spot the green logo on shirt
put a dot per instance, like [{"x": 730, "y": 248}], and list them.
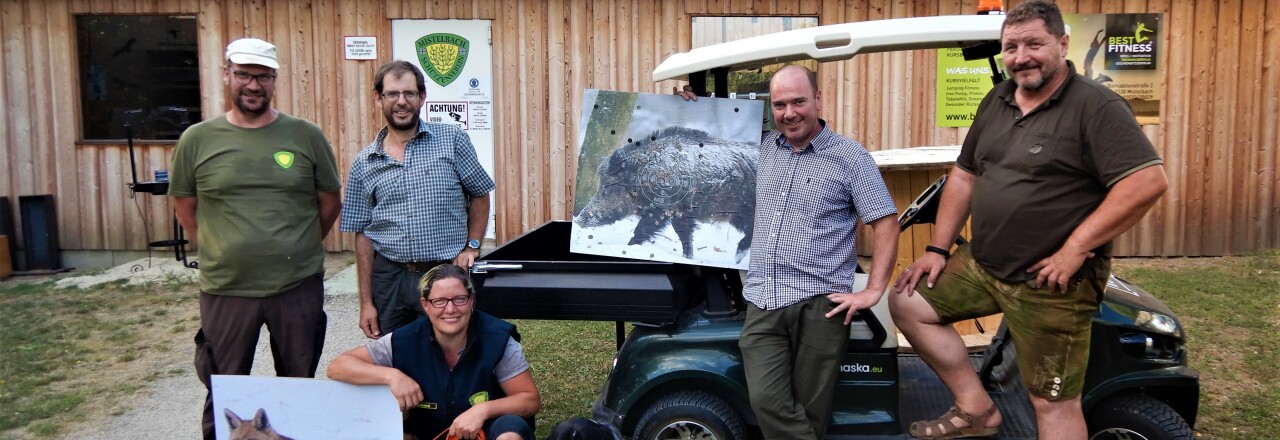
[
  {"x": 478, "y": 398},
  {"x": 284, "y": 159}
]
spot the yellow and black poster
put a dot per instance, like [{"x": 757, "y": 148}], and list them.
[
  {"x": 961, "y": 86},
  {"x": 1120, "y": 51}
]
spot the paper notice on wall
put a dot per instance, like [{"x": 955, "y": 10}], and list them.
[
  {"x": 361, "y": 48},
  {"x": 448, "y": 112},
  {"x": 478, "y": 93},
  {"x": 481, "y": 117}
]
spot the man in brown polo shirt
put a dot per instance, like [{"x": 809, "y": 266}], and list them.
[{"x": 1054, "y": 168}]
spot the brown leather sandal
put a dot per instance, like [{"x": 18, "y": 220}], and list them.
[{"x": 942, "y": 428}]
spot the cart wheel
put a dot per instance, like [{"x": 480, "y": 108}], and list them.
[
  {"x": 689, "y": 415},
  {"x": 1137, "y": 417}
]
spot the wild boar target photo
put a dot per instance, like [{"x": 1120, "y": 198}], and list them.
[{"x": 663, "y": 179}]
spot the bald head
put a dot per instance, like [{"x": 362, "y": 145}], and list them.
[{"x": 791, "y": 71}]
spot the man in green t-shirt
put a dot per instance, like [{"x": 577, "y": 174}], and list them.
[{"x": 259, "y": 190}]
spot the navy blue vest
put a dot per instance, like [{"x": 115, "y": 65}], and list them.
[{"x": 447, "y": 394}]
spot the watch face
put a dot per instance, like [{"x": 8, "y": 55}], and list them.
[{"x": 474, "y": 244}]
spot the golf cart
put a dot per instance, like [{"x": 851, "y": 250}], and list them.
[{"x": 678, "y": 373}]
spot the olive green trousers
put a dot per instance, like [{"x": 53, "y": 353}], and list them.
[{"x": 791, "y": 358}]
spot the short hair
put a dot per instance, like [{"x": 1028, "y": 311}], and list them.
[
  {"x": 1036, "y": 10},
  {"x": 399, "y": 67},
  {"x": 442, "y": 272},
  {"x": 808, "y": 74}
]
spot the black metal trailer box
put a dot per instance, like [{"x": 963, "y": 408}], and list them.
[{"x": 535, "y": 276}]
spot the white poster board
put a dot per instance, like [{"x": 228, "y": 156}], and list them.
[
  {"x": 457, "y": 57},
  {"x": 305, "y": 408}
]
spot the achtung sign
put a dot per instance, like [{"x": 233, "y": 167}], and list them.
[{"x": 448, "y": 112}]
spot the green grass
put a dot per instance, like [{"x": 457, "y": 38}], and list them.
[
  {"x": 1230, "y": 306},
  {"x": 58, "y": 347},
  {"x": 1231, "y": 310},
  {"x": 63, "y": 352},
  {"x": 570, "y": 360}
]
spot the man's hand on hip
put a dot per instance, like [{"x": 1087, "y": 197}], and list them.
[
  {"x": 1055, "y": 271},
  {"x": 850, "y": 303}
]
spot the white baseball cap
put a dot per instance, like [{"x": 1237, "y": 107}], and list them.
[{"x": 252, "y": 51}]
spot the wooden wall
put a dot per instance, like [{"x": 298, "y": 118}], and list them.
[
  {"x": 1218, "y": 135},
  {"x": 40, "y": 143}
]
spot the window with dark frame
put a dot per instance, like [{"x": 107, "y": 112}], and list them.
[
  {"x": 709, "y": 30},
  {"x": 137, "y": 70}
]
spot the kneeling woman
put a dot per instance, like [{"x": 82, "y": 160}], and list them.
[{"x": 457, "y": 369}]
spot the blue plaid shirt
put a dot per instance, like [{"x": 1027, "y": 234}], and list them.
[
  {"x": 807, "y": 210},
  {"x": 415, "y": 210}
]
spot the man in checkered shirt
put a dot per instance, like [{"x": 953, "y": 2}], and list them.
[
  {"x": 812, "y": 189},
  {"x": 416, "y": 197}
]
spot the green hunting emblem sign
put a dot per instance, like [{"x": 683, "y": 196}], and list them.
[{"x": 442, "y": 56}]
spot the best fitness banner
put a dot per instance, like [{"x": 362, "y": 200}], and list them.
[{"x": 1120, "y": 51}]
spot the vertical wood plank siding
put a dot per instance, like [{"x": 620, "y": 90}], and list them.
[{"x": 1218, "y": 137}]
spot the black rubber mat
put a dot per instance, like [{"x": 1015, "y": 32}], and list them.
[{"x": 925, "y": 398}]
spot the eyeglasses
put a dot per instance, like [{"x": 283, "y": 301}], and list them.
[
  {"x": 395, "y": 96},
  {"x": 243, "y": 77},
  {"x": 458, "y": 301}
]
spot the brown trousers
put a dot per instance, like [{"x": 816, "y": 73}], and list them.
[{"x": 229, "y": 329}]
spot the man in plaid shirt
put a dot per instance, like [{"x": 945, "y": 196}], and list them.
[
  {"x": 812, "y": 189},
  {"x": 416, "y": 197}
]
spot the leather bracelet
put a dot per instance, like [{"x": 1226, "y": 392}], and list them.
[{"x": 937, "y": 250}]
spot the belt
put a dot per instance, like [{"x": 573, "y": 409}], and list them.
[{"x": 421, "y": 266}]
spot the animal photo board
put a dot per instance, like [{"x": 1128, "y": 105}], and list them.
[
  {"x": 283, "y": 408},
  {"x": 664, "y": 179}
]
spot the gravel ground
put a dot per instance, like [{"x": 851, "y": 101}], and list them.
[
  {"x": 142, "y": 271},
  {"x": 172, "y": 408}
]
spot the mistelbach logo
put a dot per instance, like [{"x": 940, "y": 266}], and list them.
[{"x": 442, "y": 56}]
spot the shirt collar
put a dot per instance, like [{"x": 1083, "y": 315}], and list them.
[
  {"x": 378, "y": 150},
  {"x": 820, "y": 142}
]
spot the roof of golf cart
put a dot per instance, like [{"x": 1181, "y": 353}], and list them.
[{"x": 835, "y": 42}]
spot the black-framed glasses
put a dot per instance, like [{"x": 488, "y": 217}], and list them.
[
  {"x": 395, "y": 96},
  {"x": 243, "y": 77},
  {"x": 458, "y": 301}
]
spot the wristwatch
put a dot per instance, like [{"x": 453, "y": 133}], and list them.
[{"x": 473, "y": 244}]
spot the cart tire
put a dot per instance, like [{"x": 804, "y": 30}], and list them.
[
  {"x": 690, "y": 415},
  {"x": 1137, "y": 417}
]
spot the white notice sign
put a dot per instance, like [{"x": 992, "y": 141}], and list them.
[
  {"x": 361, "y": 48},
  {"x": 457, "y": 58},
  {"x": 448, "y": 112}
]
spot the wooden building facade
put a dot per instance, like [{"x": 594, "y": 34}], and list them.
[{"x": 1221, "y": 109}]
